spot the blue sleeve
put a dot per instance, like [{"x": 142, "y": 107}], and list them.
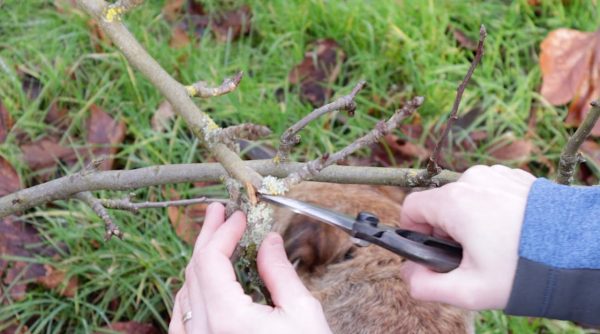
[{"x": 558, "y": 273}]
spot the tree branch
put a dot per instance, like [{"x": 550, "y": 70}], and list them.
[
  {"x": 199, "y": 122},
  {"x": 127, "y": 180},
  {"x": 312, "y": 168},
  {"x": 100, "y": 210},
  {"x": 248, "y": 131},
  {"x": 201, "y": 89},
  {"x": 570, "y": 155},
  {"x": 114, "y": 11},
  {"x": 433, "y": 167},
  {"x": 290, "y": 137},
  {"x": 126, "y": 203}
]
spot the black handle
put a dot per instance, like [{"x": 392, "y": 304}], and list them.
[{"x": 437, "y": 254}]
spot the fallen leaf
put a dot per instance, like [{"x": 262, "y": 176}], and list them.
[
  {"x": 46, "y": 153},
  {"x": 570, "y": 63},
  {"x": 226, "y": 26},
  {"x": 97, "y": 36},
  {"x": 14, "y": 328},
  {"x": 173, "y": 9},
  {"x": 6, "y": 122},
  {"x": 17, "y": 239},
  {"x": 232, "y": 24},
  {"x": 318, "y": 70},
  {"x": 132, "y": 327},
  {"x": 509, "y": 149},
  {"x": 163, "y": 114},
  {"x": 105, "y": 133},
  {"x": 591, "y": 152},
  {"x": 56, "y": 279},
  {"x": 62, "y": 6},
  {"x": 9, "y": 179},
  {"x": 57, "y": 116},
  {"x": 187, "y": 221},
  {"x": 463, "y": 40}
]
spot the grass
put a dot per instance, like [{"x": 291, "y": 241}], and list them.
[{"x": 402, "y": 44}]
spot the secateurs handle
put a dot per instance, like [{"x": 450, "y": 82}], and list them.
[{"x": 437, "y": 254}]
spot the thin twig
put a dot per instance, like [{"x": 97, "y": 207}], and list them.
[
  {"x": 248, "y": 131},
  {"x": 128, "y": 180},
  {"x": 570, "y": 155},
  {"x": 127, "y": 204},
  {"x": 201, "y": 89},
  {"x": 313, "y": 167},
  {"x": 290, "y": 136},
  {"x": 100, "y": 210},
  {"x": 433, "y": 167}
]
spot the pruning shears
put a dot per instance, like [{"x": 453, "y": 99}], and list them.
[{"x": 437, "y": 254}]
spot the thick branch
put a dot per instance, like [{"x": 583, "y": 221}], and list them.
[
  {"x": 570, "y": 156},
  {"x": 312, "y": 168},
  {"x": 201, "y": 89},
  {"x": 290, "y": 137},
  {"x": 433, "y": 165},
  {"x": 199, "y": 122},
  {"x": 127, "y": 204},
  {"x": 100, "y": 210},
  {"x": 114, "y": 11},
  {"x": 127, "y": 180}
]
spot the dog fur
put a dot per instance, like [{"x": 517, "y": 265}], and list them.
[{"x": 360, "y": 288}]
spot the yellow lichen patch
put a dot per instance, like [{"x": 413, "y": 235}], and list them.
[
  {"x": 273, "y": 186},
  {"x": 113, "y": 13},
  {"x": 191, "y": 90}
]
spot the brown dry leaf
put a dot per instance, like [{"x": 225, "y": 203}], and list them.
[
  {"x": 318, "y": 70},
  {"x": 591, "y": 152},
  {"x": 187, "y": 221},
  {"x": 57, "y": 117},
  {"x": 179, "y": 37},
  {"x": 13, "y": 328},
  {"x": 173, "y": 9},
  {"x": 570, "y": 63},
  {"x": 16, "y": 239},
  {"x": 46, "y": 153},
  {"x": 6, "y": 123},
  {"x": 463, "y": 40},
  {"x": 518, "y": 150},
  {"x": 9, "y": 179},
  {"x": 97, "y": 36},
  {"x": 232, "y": 24},
  {"x": 132, "y": 327},
  {"x": 56, "y": 279},
  {"x": 105, "y": 132},
  {"x": 163, "y": 114}
]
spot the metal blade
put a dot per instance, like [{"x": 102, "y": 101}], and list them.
[{"x": 327, "y": 216}]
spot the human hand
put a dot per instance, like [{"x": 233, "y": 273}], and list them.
[
  {"x": 217, "y": 301},
  {"x": 483, "y": 211}
]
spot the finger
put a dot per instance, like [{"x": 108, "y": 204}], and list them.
[
  {"x": 278, "y": 274},
  {"x": 216, "y": 278},
  {"x": 229, "y": 234},
  {"x": 190, "y": 297},
  {"x": 424, "y": 207},
  {"x": 176, "y": 325},
  {"x": 215, "y": 216},
  {"x": 451, "y": 288}
]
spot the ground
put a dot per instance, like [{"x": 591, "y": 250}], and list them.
[{"x": 402, "y": 49}]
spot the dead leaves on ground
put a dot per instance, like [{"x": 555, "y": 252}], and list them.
[
  {"x": 190, "y": 16},
  {"x": 318, "y": 70},
  {"x": 570, "y": 63},
  {"x": 132, "y": 327}
]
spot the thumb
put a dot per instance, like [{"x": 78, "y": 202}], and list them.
[
  {"x": 454, "y": 288},
  {"x": 277, "y": 272}
]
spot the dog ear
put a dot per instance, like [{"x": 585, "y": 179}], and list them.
[{"x": 311, "y": 244}]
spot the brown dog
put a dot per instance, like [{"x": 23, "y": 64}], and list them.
[{"x": 359, "y": 287}]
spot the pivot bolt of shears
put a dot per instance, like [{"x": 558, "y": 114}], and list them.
[{"x": 368, "y": 218}]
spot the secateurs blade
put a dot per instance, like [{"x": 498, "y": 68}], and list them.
[{"x": 438, "y": 254}]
